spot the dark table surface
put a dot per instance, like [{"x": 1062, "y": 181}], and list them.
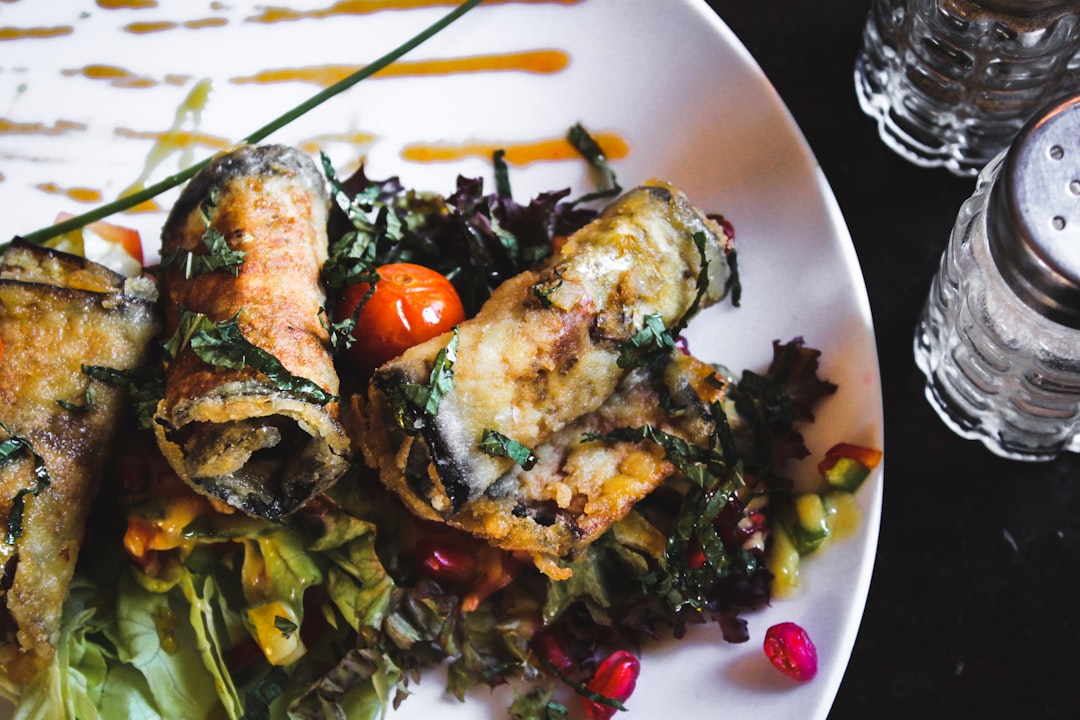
[{"x": 971, "y": 611}]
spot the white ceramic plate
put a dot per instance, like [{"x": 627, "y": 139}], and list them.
[{"x": 86, "y": 93}]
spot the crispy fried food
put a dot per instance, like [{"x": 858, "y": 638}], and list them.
[
  {"x": 59, "y": 315},
  {"x": 233, "y": 432},
  {"x": 540, "y": 357},
  {"x": 578, "y": 489}
]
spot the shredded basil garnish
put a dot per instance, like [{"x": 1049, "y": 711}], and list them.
[
  {"x": 342, "y": 332},
  {"x": 502, "y": 173},
  {"x": 218, "y": 255},
  {"x": 85, "y": 407},
  {"x": 543, "y": 289},
  {"x": 354, "y": 256},
  {"x": 145, "y": 385},
  {"x": 586, "y": 144},
  {"x": 715, "y": 479},
  {"x": 224, "y": 345},
  {"x": 9, "y": 450},
  {"x": 496, "y": 444},
  {"x": 654, "y": 340},
  {"x": 579, "y": 687},
  {"x": 285, "y": 625},
  {"x": 413, "y": 403}
]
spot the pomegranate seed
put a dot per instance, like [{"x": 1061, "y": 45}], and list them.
[
  {"x": 441, "y": 558},
  {"x": 695, "y": 555},
  {"x": 614, "y": 679},
  {"x": 791, "y": 651},
  {"x": 551, "y": 646}
]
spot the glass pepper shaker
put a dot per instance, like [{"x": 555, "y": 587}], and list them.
[
  {"x": 950, "y": 82},
  {"x": 999, "y": 336}
]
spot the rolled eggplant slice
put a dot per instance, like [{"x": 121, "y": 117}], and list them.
[
  {"x": 258, "y": 427},
  {"x": 544, "y": 350},
  {"x": 61, "y": 317},
  {"x": 577, "y": 489}
]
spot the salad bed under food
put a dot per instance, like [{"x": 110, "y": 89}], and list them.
[{"x": 337, "y": 607}]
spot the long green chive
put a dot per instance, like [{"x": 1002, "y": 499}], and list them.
[{"x": 39, "y": 236}]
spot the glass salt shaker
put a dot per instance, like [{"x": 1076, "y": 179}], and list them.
[
  {"x": 999, "y": 336},
  {"x": 950, "y": 82}
]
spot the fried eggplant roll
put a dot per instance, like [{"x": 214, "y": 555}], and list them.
[
  {"x": 576, "y": 489},
  {"x": 250, "y": 414},
  {"x": 69, "y": 330},
  {"x": 548, "y": 348}
]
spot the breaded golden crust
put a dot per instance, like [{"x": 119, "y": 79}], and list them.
[
  {"x": 58, "y": 314},
  {"x": 578, "y": 489},
  {"x": 231, "y": 433},
  {"x": 541, "y": 354}
]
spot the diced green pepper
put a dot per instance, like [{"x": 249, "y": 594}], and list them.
[
  {"x": 810, "y": 526},
  {"x": 782, "y": 558},
  {"x": 846, "y": 474}
]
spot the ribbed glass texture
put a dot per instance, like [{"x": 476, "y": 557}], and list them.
[
  {"x": 997, "y": 371},
  {"x": 950, "y": 82}
]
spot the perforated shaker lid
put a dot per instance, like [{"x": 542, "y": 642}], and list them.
[{"x": 1033, "y": 217}]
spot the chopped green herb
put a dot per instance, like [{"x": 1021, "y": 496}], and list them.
[
  {"x": 580, "y": 688},
  {"x": 414, "y": 403},
  {"x": 544, "y": 288},
  {"x": 655, "y": 341},
  {"x": 586, "y": 144},
  {"x": 341, "y": 333},
  {"x": 11, "y": 447},
  {"x": 218, "y": 255},
  {"x": 145, "y": 385},
  {"x": 700, "y": 242},
  {"x": 285, "y": 625},
  {"x": 353, "y": 256},
  {"x": 652, "y": 341},
  {"x": 496, "y": 444},
  {"x": 85, "y": 407},
  {"x": 502, "y": 174},
  {"x": 224, "y": 345},
  {"x": 716, "y": 478}
]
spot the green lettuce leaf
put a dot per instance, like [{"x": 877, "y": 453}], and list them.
[
  {"x": 72, "y": 685},
  {"x": 151, "y": 635}
]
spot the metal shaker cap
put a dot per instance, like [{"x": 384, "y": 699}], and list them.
[{"x": 1033, "y": 214}]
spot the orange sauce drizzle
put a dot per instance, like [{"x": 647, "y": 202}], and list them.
[
  {"x": 545, "y": 150},
  {"x": 146, "y": 206},
  {"x": 206, "y": 23},
  {"x": 533, "y": 61},
  {"x": 312, "y": 145},
  {"x": 126, "y": 4},
  {"x": 144, "y": 28},
  {"x": 78, "y": 194},
  {"x": 177, "y": 139},
  {"x": 365, "y": 7},
  {"x": 14, "y": 33},
  {"x": 7, "y": 127},
  {"x": 116, "y": 76}
]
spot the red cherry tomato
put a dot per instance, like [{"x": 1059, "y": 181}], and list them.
[{"x": 411, "y": 304}]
